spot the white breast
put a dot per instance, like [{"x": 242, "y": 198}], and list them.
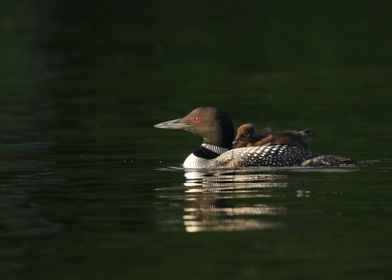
[{"x": 193, "y": 161}]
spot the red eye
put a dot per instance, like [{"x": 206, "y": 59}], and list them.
[{"x": 197, "y": 119}]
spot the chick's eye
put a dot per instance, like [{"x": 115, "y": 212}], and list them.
[{"x": 197, "y": 119}]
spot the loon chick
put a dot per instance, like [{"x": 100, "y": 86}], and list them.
[
  {"x": 217, "y": 130},
  {"x": 247, "y": 136}
]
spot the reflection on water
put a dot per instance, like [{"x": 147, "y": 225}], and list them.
[
  {"x": 227, "y": 201},
  {"x": 208, "y": 215},
  {"x": 232, "y": 200}
]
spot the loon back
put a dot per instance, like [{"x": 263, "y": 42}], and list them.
[{"x": 274, "y": 156}]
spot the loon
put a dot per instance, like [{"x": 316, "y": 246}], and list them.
[
  {"x": 247, "y": 136},
  {"x": 217, "y": 130}
]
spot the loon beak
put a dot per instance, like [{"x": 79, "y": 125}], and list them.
[{"x": 173, "y": 124}]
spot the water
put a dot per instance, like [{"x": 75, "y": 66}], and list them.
[{"x": 90, "y": 190}]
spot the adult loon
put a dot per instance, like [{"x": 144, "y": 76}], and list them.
[
  {"x": 247, "y": 136},
  {"x": 217, "y": 130}
]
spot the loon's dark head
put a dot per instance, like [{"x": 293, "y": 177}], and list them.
[{"x": 210, "y": 123}]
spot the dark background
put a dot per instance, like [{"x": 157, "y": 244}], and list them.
[{"x": 87, "y": 185}]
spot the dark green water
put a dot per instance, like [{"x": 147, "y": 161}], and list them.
[{"x": 87, "y": 188}]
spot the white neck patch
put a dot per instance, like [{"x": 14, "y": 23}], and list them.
[{"x": 216, "y": 149}]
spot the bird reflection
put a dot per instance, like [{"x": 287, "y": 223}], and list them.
[{"x": 229, "y": 201}]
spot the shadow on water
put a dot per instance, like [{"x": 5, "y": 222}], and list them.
[{"x": 232, "y": 200}]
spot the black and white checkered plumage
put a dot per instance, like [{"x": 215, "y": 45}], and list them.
[{"x": 276, "y": 155}]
